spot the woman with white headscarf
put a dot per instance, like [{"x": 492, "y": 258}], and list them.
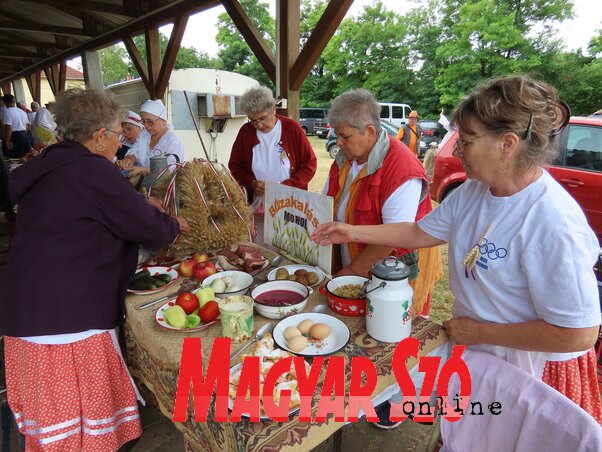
[{"x": 158, "y": 138}]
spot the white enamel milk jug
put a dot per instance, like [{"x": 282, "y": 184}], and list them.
[{"x": 389, "y": 301}]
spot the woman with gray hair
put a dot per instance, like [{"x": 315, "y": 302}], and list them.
[
  {"x": 269, "y": 147},
  {"x": 376, "y": 179},
  {"x": 78, "y": 229}
]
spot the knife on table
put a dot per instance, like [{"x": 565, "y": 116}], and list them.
[{"x": 165, "y": 298}]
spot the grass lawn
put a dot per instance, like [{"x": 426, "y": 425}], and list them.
[{"x": 442, "y": 296}]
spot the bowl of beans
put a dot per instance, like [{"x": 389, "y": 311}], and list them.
[
  {"x": 281, "y": 298},
  {"x": 343, "y": 293}
]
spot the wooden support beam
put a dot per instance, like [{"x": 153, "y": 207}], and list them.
[
  {"x": 42, "y": 28},
  {"x": 325, "y": 28},
  {"x": 56, "y": 74},
  {"x": 169, "y": 59},
  {"x": 288, "y": 13},
  {"x": 153, "y": 58},
  {"x": 138, "y": 61},
  {"x": 34, "y": 82},
  {"x": 254, "y": 39}
]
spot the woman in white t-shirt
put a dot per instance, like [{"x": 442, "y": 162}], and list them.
[{"x": 520, "y": 250}]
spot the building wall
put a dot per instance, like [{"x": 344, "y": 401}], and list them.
[{"x": 46, "y": 93}]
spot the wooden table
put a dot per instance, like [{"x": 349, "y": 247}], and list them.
[{"x": 153, "y": 356}]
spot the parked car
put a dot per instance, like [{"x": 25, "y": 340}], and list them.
[
  {"x": 578, "y": 168},
  {"x": 309, "y": 116},
  {"x": 432, "y": 131},
  {"x": 331, "y": 140},
  {"x": 321, "y": 128}
]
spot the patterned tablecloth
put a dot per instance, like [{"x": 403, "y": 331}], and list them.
[{"x": 153, "y": 356}]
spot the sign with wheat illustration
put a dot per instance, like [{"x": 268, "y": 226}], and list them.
[{"x": 291, "y": 215}]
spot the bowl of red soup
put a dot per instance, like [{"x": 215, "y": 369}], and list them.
[{"x": 279, "y": 299}]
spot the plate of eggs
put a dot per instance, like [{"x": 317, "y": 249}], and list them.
[{"x": 311, "y": 334}]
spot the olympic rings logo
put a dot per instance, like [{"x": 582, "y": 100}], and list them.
[{"x": 489, "y": 249}]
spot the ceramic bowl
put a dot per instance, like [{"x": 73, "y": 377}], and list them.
[
  {"x": 242, "y": 280},
  {"x": 351, "y": 307},
  {"x": 280, "y": 312}
]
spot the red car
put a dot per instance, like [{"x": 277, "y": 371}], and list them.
[{"x": 578, "y": 168}]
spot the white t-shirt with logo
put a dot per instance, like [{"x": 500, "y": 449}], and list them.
[
  {"x": 270, "y": 161},
  {"x": 536, "y": 260}
]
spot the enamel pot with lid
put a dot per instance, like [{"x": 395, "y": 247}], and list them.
[{"x": 389, "y": 305}]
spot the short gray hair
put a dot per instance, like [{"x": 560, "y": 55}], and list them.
[
  {"x": 357, "y": 108},
  {"x": 80, "y": 112},
  {"x": 257, "y": 100}
]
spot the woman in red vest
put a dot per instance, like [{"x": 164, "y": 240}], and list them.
[{"x": 374, "y": 180}]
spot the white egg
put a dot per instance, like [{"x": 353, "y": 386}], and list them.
[
  {"x": 297, "y": 343},
  {"x": 319, "y": 331},
  {"x": 290, "y": 332},
  {"x": 305, "y": 325}
]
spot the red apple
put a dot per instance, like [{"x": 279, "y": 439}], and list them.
[
  {"x": 209, "y": 311},
  {"x": 187, "y": 268},
  {"x": 188, "y": 302},
  {"x": 200, "y": 257},
  {"x": 204, "y": 269}
]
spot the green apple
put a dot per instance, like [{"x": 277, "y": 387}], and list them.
[{"x": 204, "y": 294}]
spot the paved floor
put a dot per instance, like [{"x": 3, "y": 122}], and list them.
[{"x": 160, "y": 434}]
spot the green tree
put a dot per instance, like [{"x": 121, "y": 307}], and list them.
[
  {"x": 235, "y": 54},
  {"x": 486, "y": 38},
  {"x": 114, "y": 63},
  {"x": 369, "y": 51}
]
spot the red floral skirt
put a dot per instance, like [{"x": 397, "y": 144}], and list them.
[
  {"x": 71, "y": 397},
  {"x": 576, "y": 379}
]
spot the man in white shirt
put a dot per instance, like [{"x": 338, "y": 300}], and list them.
[{"x": 16, "y": 140}]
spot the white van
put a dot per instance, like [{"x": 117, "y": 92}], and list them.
[{"x": 396, "y": 114}]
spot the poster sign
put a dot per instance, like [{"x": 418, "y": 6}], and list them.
[{"x": 291, "y": 216}]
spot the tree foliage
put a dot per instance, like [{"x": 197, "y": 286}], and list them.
[{"x": 429, "y": 56}]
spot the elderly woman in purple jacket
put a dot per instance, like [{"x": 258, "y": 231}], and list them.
[{"x": 79, "y": 224}]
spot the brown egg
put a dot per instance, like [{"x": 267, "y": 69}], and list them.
[
  {"x": 312, "y": 278},
  {"x": 319, "y": 331},
  {"x": 290, "y": 332},
  {"x": 301, "y": 272},
  {"x": 297, "y": 343},
  {"x": 305, "y": 325},
  {"x": 303, "y": 280}
]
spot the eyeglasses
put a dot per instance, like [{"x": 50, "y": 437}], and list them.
[
  {"x": 150, "y": 122},
  {"x": 461, "y": 144},
  {"x": 413, "y": 117},
  {"x": 120, "y": 135},
  {"x": 261, "y": 120}
]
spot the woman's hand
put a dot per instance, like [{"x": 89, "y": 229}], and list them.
[
  {"x": 156, "y": 203},
  {"x": 126, "y": 163},
  {"x": 462, "y": 330},
  {"x": 333, "y": 232},
  {"x": 135, "y": 170},
  {"x": 184, "y": 226},
  {"x": 258, "y": 187}
]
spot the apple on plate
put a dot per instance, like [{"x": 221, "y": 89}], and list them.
[
  {"x": 209, "y": 311},
  {"x": 188, "y": 302},
  {"x": 200, "y": 257},
  {"x": 205, "y": 294},
  {"x": 187, "y": 267},
  {"x": 204, "y": 269}
]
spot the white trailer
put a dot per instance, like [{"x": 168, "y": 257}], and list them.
[{"x": 213, "y": 96}]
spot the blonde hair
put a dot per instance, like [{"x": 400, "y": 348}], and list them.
[{"x": 518, "y": 104}]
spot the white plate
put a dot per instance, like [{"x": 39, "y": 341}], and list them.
[
  {"x": 160, "y": 318},
  {"x": 262, "y": 415},
  {"x": 293, "y": 268},
  {"x": 337, "y": 339},
  {"x": 157, "y": 271}
]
